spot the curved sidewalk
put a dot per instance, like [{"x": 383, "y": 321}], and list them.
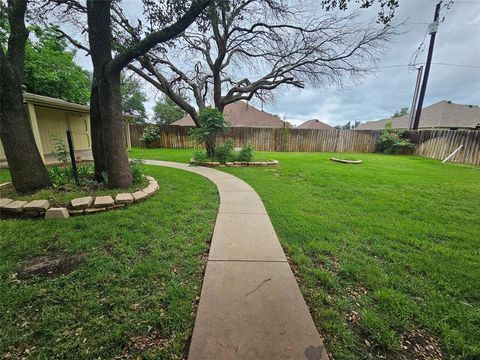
[{"x": 250, "y": 304}]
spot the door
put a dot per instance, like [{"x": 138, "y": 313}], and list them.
[{"x": 78, "y": 124}]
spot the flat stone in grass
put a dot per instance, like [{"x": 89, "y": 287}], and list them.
[
  {"x": 36, "y": 206},
  {"x": 4, "y": 202},
  {"x": 82, "y": 203},
  {"x": 15, "y": 206},
  {"x": 140, "y": 195},
  {"x": 103, "y": 201},
  {"x": 150, "y": 179},
  {"x": 57, "y": 213},
  {"x": 124, "y": 198}
]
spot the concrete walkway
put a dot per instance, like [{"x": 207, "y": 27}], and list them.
[{"x": 250, "y": 304}]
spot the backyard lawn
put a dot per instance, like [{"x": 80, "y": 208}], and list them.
[
  {"x": 135, "y": 283},
  {"x": 387, "y": 253}
]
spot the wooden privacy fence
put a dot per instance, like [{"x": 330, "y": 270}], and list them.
[{"x": 435, "y": 144}]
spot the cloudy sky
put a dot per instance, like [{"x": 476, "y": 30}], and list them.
[{"x": 391, "y": 86}]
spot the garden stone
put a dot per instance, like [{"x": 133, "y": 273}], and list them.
[
  {"x": 82, "y": 203},
  {"x": 4, "y": 202},
  {"x": 76, "y": 212},
  {"x": 4, "y": 185},
  {"x": 15, "y": 206},
  {"x": 57, "y": 213},
  {"x": 116, "y": 206},
  {"x": 139, "y": 195},
  {"x": 36, "y": 206},
  {"x": 124, "y": 198},
  {"x": 103, "y": 201},
  {"x": 94, "y": 210},
  {"x": 150, "y": 190},
  {"x": 149, "y": 178}
]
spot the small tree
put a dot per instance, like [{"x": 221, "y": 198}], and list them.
[
  {"x": 394, "y": 142},
  {"x": 212, "y": 123},
  {"x": 166, "y": 112},
  {"x": 401, "y": 112},
  {"x": 133, "y": 98},
  {"x": 149, "y": 135}
]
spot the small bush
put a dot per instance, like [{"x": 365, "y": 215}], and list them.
[
  {"x": 138, "y": 170},
  {"x": 394, "y": 142},
  {"x": 60, "y": 149},
  {"x": 200, "y": 156},
  {"x": 60, "y": 175},
  {"x": 224, "y": 152},
  {"x": 212, "y": 123},
  {"x": 150, "y": 134},
  {"x": 246, "y": 153}
]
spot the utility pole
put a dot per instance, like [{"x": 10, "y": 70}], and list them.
[
  {"x": 432, "y": 29},
  {"x": 415, "y": 98}
]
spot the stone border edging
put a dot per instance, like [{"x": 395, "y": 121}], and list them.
[
  {"x": 347, "y": 161},
  {"x": 234, "y": 163},
  {"x": 78, "y": 206}
]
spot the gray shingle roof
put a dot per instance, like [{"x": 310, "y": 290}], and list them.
[{"x": 443, "y": 114}]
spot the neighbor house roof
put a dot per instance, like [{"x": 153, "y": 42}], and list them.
[
  {"x": 242, "y": 114},
  {"x": 443, "y": 114},
  {"x": 314, "y": 124}
]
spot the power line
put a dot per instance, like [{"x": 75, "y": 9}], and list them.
[{"x": 433, "y": 63}]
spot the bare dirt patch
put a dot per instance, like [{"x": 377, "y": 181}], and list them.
[
  {"x": 417, "y": 344},
  {"x": 137, "y": 344},
  {"x": 50, "y": 265}
]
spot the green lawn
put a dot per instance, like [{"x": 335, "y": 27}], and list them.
[
  {"x": 136, "y": 293},
  {"x": 381, "y": 249}
]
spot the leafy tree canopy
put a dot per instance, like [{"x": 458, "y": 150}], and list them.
[
  {"x": 166, "y": 111},
  {"x": 50, "y": 68},
  {"x": 401, "y": 112},
  {"x": 348, "y": 126},
  {"x": 133, "y": 98}
]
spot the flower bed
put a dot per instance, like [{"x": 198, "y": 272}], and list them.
[
  {"x": 234, "y": 163},
  {"x": 79, "y": 206}
]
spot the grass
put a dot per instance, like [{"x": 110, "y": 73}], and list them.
[
  {"x": 381, "y": 249},
  {"x": 136, "y": 293}
]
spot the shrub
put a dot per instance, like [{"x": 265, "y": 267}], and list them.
[
  {"x": 394, "y": 142},
  {"x": 246, "y": 153},
  {"x": 138, "y": 170},
  {"x": 60, "y": 150},
  {"x": 224, "y": 152},
  {"x": 200, "y": 156},
  {"x": 59, "y": 175},
  {"x": 150, "y": 134},
  {"x": 212, "y": 123}
]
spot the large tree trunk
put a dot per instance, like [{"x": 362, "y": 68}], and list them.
[
  {"x": 26, "y": 166},
  {"x": 98, "y": 150},
  {"x": 113, "y": 127},
  {"x": 109, "y": 98}
]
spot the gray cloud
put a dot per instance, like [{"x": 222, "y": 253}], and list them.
[{"x": 390, "y": 88}]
